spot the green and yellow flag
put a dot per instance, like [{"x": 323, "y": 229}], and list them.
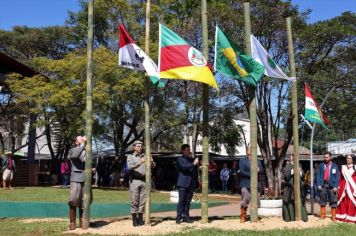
[{"x": 233, "y": 62}]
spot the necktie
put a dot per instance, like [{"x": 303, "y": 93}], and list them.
[{"x": 327, "y": 172}]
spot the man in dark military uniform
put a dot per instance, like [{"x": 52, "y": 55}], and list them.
[
  {"x": 77, "y": 178},
  {"x": 136, "y": 165},
  {"x": 288, "y": 209}
]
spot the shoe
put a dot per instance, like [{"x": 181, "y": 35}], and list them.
[
  {"x": 178, "y": 221},
  {"x": 323, "y": 212},
  {"x": 80, "y": 217},
  {"x": 243, "y": 215},
  {"x": 134, "y": 220},
  {"x": 140, "y": 221},
  {"x": 72, "y": 216},
  {"x": 187, "y": 220},
  {"x": 333, "y": 214}
]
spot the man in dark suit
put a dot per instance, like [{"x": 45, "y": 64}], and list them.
[
  {"x": 186, "y": 166},
  {"x": 328, "y": 183},
  {"x": 245, "y": 175}
]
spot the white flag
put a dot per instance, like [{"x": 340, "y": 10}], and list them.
[{"x": 260, "y": 55}]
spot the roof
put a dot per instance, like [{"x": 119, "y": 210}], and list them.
[{"x": 10, "y": 65}]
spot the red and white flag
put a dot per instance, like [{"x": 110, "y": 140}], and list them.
[{"x": 133, "y": 57}]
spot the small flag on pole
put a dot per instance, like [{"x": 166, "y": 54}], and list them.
[
  {"x": 133, "y": 57},
  {"x": 260, "y": 55},
  {"x": 313, "y": 112}
]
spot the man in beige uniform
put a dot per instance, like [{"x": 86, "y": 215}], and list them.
[{"x": 136, "y": 165}]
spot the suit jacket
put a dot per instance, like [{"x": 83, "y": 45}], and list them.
[
  {"x": 334, "y": 175},
  {"x": 245, "y": 173},
  {"x": 77, "y": 157},
  {"x": 186, "y": 172}
]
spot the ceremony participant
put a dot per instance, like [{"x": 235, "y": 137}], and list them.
[
  {"x": 136, "y": 165},
  {"x": 212, "y": 168},
  {"x": 288, "y": 208},
  {"x": 346, "y": 205},
  {"x": 234, "y": 177},
  {"x": 245, "y": 175},
  {"x": 65, "y": 171},
  {"x": 328, "y": 183},
  {"x": 8, "y": 170},
  {"x": 224, "y": 177},
  {"x": 77, "y": 157},
  {"x": 186, "y": 166}
]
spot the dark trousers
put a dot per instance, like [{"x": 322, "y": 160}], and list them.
[
  {"x": 327, "y": 195},
  {"x": 185, "y": 197},
  {"x": 212, "y": 182}
]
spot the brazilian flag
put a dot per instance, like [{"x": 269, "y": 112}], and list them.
[{"x": 233, "y": 62}]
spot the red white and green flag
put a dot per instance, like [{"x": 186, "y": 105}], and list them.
[
  {"x": 313, "y": 112},
  {"x": 179, "y": 60},
  {"x": 133, "y": 57}
]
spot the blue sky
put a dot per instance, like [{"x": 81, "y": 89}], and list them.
[{"x": 54, "y": 12}]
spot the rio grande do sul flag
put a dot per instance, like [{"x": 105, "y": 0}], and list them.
[
  {"x": 260, "y": 55},
  {"x": 132, "y": 57},
  {"x": 231, "y": 61},
  {"x": 179, "y": 60},
  {"x": 312, "y": 111}
]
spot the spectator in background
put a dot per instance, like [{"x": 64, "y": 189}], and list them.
[
  {"x": 116, "y": 169},
  {"x": 212, "y": 173},
  {"x": 315, "y": 187},
  {"x": 65, "y": 171},
  {"x": 224, "y": 177},
  {"x": 106, "y": 172},
  {"x": 234, "y": 173},
  {"x": 100, "y": 171},
  {"x": 8, "y": 169}
]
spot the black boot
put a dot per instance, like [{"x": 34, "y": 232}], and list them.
[
  {"x": 140, "y": 219},
  {"x": 134, "y": 220}
]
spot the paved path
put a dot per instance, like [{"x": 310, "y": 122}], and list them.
[{"x": 232, "y": 210}]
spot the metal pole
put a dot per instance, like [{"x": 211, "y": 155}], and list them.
[
  {"x": 89, "y": 117},
  {"x": 311, "y": 155},
  {"x": 205, "y": 185},
  {"x": 253, "y": 124},
  {"x": 312, "y": 172},
  {"x": 297, "y": 200},
  {"x": 147, "y": 123}
]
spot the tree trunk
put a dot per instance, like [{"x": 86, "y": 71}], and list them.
[
  {"x": 48, "y": 137},
  {"x": 2, "y": 144}
]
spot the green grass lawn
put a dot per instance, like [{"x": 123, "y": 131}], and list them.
[
  {"x": 53, "y": 194},
  {"x": 57, "y": 194},
  {"x": 339, "y": 229},
  {"x": 14, "y": 227}
]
